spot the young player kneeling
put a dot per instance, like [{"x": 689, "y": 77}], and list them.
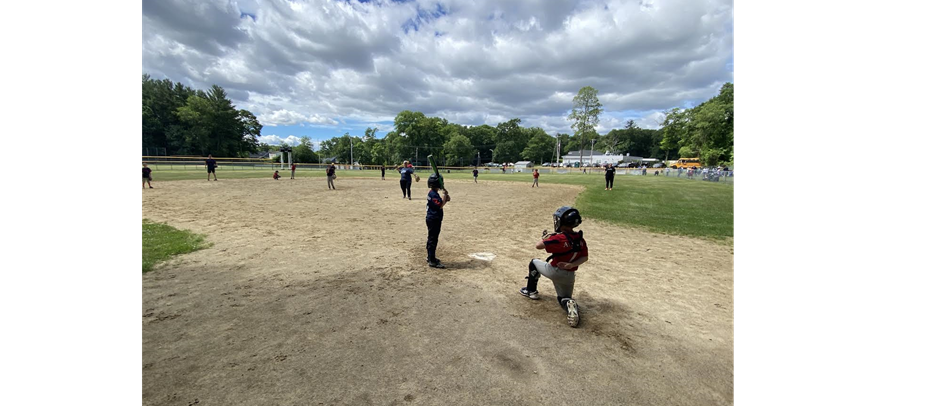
[{"x": 568, "y": 250}]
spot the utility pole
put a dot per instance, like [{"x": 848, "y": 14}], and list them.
[
  {"x": 351, "y": 152},
  {"x": 592, "y": 152},
  {"x": 479, "y": 158}
]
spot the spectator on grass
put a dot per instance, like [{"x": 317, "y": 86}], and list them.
[{"x": 145, "y": 171}]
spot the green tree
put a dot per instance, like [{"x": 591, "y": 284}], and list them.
[
  {"x": 618, "y": 140},
  {"x": 331, "y": 149},
  {"x": 250, "y": 129},
  {"x": 339, "y": 149},
  {"x": 585, "y": 115},
  {"x": 380, "y": 154},
  {"x": 187, "y": 121},
  {"x": 197, "y": 117},
  {"x": 161, "y": 127},
  {"x": 458, "y": 150},
  {"x": 674, "y": 129},
  {"x": 423, "y": 135},
  {"x": 540, "y": 148},
  {"x": 705, "y": 131},
  {"x": 304, "y": 152},
  {"x": 511, "y": 139},
  {"x": 483, "y": 139}
]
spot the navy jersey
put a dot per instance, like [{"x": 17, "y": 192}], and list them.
[
  {"x": 210, "y": 163},
  {"x": 434, "y": 206},
  {"x": 145, "y": 172},
  {"x": 406, "y": 174},
  {"x": 610, "y": 172}
]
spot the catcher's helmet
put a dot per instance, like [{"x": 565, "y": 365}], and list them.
[{"x": 566, "y": 216}]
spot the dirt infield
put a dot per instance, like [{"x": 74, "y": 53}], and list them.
[{"x": 310, "y": 296}]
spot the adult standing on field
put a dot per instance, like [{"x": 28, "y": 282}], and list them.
[
  {"x": 331, "y": 175},
  {"x": 382, "y": 171},
  {"x": 145, "y": 171},
  {"x": 609, "y": 177},
  {"x": 406, "y": 173},
  {"x": 211, "y": 168}
]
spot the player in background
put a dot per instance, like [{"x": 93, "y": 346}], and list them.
[
  {"x": 276, "y": 176},
  {"x": 536, "y": 178},
  {"x": 293, "y": 167},
  {"x": 433, "y": 219},
  {"x": 331, "y": 175},
  {"x": 145, "y": 171},
  {"x": 609, "y": 177},
  {"x": 210, "y": 167},
  {"x": 405, "y": 181},
  {"x": 382, "y": 171},
  {"x": 475, "y": 172}
]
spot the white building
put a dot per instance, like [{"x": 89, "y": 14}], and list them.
[{"x": 592, "y": 157}]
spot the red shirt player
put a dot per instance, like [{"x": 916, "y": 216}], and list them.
[
  {"x": 293, "y": 167},
  {"x": 569, "y": 250},
  {"x": 536, "y": 178},
  {"x": 276, "y": 175}
]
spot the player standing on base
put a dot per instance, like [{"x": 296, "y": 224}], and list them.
[{"x": 210, "y": 167}]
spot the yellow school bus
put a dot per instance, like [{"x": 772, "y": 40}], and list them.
[{"x": 686, "y": 163}]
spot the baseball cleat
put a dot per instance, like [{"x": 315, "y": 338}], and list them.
[
  {"x": 436, "y": 264},
  {"x": 532, "y": 295},
  {"x": 572, "y": 313}
]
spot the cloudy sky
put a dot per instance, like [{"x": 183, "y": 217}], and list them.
[{"x": 326, "y": 67}]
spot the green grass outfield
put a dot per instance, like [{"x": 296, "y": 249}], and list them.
[
  {"x": 661, "y": 204},
  {"x": 160, "y": 242}
]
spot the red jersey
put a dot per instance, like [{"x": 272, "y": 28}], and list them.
[
  {"x": 276, "y": 176},
  {"x": 293, "y": 166},
  {"x": 536, "y": 174},
  {"x": 558, "y": 243}
]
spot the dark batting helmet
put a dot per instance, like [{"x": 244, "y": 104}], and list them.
[
  {"x": 434, "y": 181},
  {"x": 566, "y": 216}
]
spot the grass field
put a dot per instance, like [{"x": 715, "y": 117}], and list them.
[{"x": 160, "y": 242}]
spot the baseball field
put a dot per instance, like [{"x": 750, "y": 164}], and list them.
[{"x": 303, "y": 295}]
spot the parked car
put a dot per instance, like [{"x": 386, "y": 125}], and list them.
[{"x": 658, "y": 165}]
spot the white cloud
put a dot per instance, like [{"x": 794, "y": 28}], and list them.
[
  {"x": 290, "y": 140},
  {"x": 271, "y": 139},
  {"x": 286, "y": 117},
  {"x": 477, "y": 62},
  {"x": 653, "y": 120}
]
